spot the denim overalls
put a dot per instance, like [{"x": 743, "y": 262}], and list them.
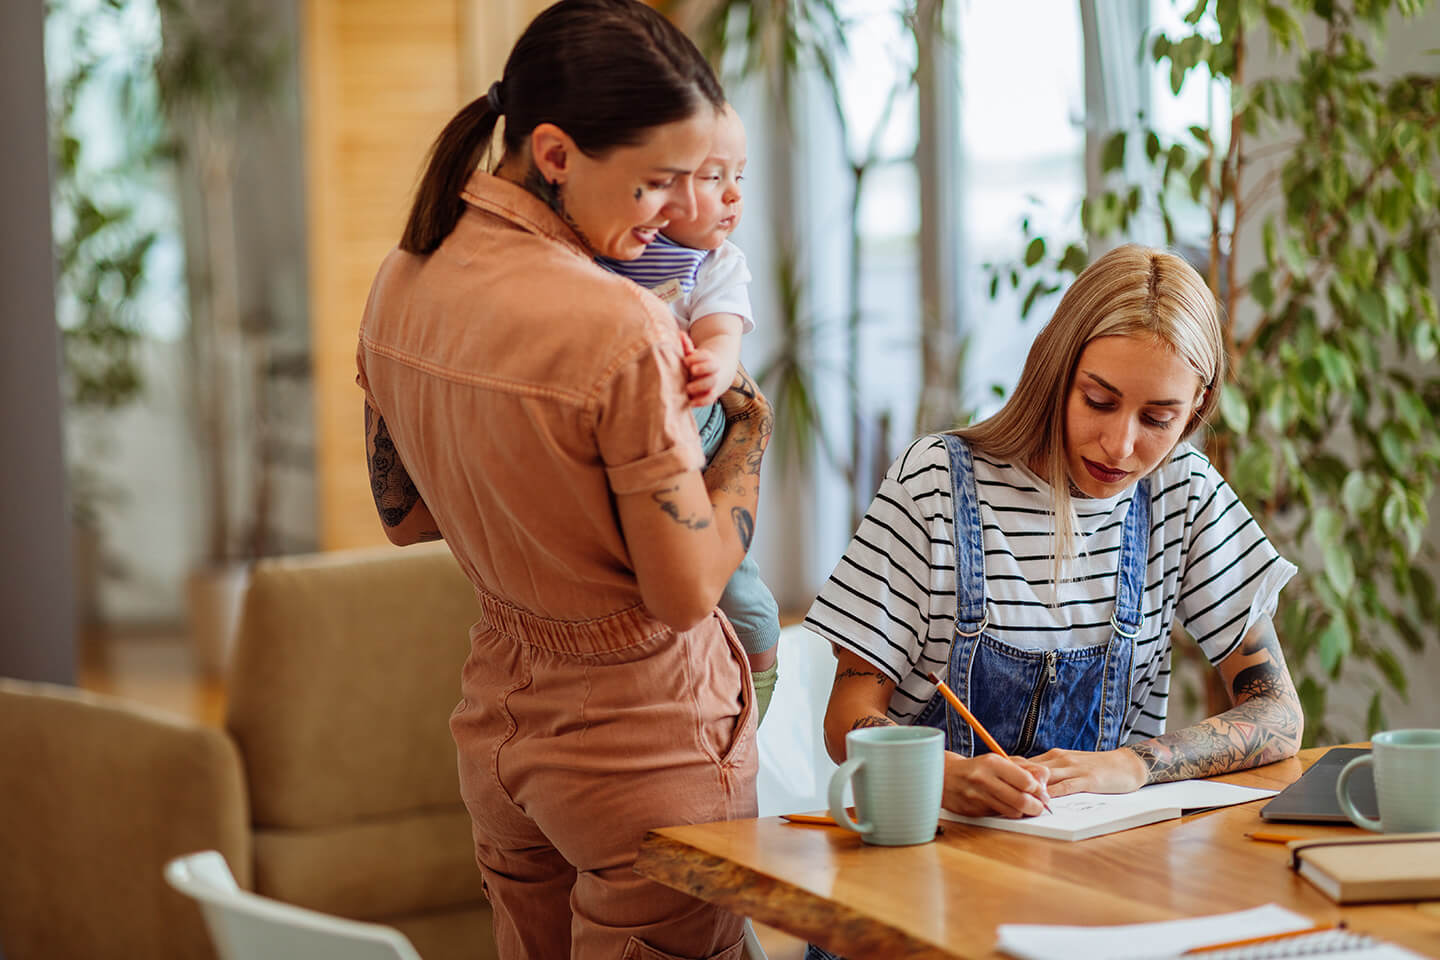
[{"x": 1032, "y": 700}]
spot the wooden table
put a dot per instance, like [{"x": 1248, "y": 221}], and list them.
[{"x": 945, "y": 899}]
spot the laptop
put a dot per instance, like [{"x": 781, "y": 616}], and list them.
[{"x": 1311, "y": 799}]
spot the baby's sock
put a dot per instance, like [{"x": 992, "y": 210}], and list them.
[{"x": 764, "y": 686}]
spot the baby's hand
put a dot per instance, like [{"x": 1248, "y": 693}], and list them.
[{"x": 706, "y": 380}]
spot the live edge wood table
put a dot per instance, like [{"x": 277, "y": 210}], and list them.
[{"x": 945, "y": 899}]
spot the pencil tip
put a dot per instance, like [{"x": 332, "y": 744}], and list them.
[{"x": 933, "y": 678}]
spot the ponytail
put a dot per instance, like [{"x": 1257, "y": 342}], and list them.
[{"x": 454, "y": 156}]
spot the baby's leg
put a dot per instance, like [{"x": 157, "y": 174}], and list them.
[
  {"x": 753, "y": 612},
  {"x": 746, "y": 601}
]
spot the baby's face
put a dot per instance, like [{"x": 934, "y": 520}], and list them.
[{"x": 717, "y": 189}]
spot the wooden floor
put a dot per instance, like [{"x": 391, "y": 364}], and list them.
[{"x": 157, "y": 667}]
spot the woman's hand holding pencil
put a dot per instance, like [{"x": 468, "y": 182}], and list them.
[{"x": 991, "y": 782}]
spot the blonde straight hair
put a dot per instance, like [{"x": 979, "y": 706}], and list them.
[{"x": 1132, "y": 291}]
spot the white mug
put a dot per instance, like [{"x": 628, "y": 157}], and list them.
[
  {"x": 1407, "y": 782},
  {"x": 898, "y": 774}
]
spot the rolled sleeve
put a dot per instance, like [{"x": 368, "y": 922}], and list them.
[{"x": 646, "y": 433}]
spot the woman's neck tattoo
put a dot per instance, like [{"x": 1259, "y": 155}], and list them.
[{"x": 550, "y": 193}]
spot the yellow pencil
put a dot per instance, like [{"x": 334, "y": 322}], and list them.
[
  {"x": 1274, "y": 837},
  {"x": 980, "y": 730},
  {"x": 1319, "y": 928}
]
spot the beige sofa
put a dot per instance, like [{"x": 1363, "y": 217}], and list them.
[{"x": 333, "y": 784}]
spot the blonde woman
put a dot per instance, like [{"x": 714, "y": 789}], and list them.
[{"x": 1038, "y": 559}]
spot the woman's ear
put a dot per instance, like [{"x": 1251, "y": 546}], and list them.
[{"x": 551, "y": 148}]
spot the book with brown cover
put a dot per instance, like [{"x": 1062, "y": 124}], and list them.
[{"x": 1396, "y": 866}]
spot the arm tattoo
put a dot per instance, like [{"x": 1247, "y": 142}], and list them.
[
  {"x": 672, "y": 510},
  {"x": 1263, "y": 726},
  {"x": 852, "y": 672},
  {"x": 744, "y": 525},
  {"x": 390, "y": 484},
  {"x": 872, "y": 721}
]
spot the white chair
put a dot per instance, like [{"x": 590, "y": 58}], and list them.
[
  {"x": 795, "y": 768},
  {"x": 246, "y": 926}
]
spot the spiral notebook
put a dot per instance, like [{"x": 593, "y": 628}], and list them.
[{"x": 1193, "y": 938}]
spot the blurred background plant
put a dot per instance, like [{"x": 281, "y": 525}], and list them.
[
  {"x": 1323, "y": 173},
  {"x": 794, "y": 48},
  {"x": 109, "y": 217}
]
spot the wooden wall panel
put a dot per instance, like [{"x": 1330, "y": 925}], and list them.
[{"x": 381, "y": 79}]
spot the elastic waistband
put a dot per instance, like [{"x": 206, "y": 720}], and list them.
[{"x": 617, "y": 631}]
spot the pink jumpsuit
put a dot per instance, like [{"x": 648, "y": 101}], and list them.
[{"x": 524, "y": 387}]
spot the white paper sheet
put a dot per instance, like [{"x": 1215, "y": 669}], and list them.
[{"x": 1084, "y": 815}]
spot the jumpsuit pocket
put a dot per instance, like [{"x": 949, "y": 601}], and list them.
[
  {"x": 723, "y": 736},
  {"x": 637, "y": 949}
]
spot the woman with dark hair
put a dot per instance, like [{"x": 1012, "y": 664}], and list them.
[{"x": 529, "y": 407}]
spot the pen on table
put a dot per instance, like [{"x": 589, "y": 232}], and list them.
[
  {"x": 1274, "y": 837},
  {"x": 1248, "y": 941},
  {"x": 818, "y": 819},
  {"x": 981, "y": 732}
]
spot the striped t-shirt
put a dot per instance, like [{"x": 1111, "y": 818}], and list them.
[{"x": 891, "y": 599}]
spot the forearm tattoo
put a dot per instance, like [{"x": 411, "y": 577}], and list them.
[
  {"x": 1264, "y": 725},
  {"x": 879, "y": 678},
  {"x": 744, "y": 525},
  {"x": 872, "y": 721},
  {"x": 671, "y": 508},
  {"x": 390, "y": 484}
]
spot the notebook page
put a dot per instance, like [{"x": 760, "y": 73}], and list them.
[
  {"x": 1091, "y": 814},
  {"x": 1138, "y": 941}
]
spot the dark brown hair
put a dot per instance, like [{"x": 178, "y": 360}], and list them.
[{"x": 604, "y": 71}]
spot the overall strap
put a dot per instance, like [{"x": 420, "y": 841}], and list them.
[
  {"x": 1134, "y": 559},
  {"x": 970, "y": 615}
]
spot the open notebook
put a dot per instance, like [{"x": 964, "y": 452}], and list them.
[
  {"x": 1084, "y": 815},
  {"x": 1195, "y": 937}
]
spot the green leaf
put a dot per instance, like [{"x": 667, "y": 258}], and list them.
[
  {"x": 1261, "y": 290},
  {"x": 1112, "y": 152},
  {"x": 1152, "y": 146},
  {"x": 1395, "y": 448},
  {"x": 1035, "y": 252},
  {"x": 1335, "y": 644},
  {"x": 1328, "y": 526},
  {"x": 1375, "y": 716},
  {"x": 1254, "y": 472},
  {"x": 1234, "y": 411},
  {"x": 1339, "y": 568},
  {"x": 1423, "y": 587},
  {"x": 1312, "y": 697},
  {"x": 1075, "y": 259},
  {"x": 1201, "y": 134},
  {"x": 1357, "y": 494}
]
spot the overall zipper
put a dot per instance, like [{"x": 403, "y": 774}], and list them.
[{"x": 1032, "y": 715}]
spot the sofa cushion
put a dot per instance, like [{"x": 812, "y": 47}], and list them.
[
  {"x": 344, "y": 676},
  {"x": 373, "y": 871}
]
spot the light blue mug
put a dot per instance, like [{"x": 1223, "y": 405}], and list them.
[
  {"x": 1407, "y": 782},
  {"x": 898, "y": 774}
]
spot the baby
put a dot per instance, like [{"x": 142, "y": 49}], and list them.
[{"x": 693, "y": 266}]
